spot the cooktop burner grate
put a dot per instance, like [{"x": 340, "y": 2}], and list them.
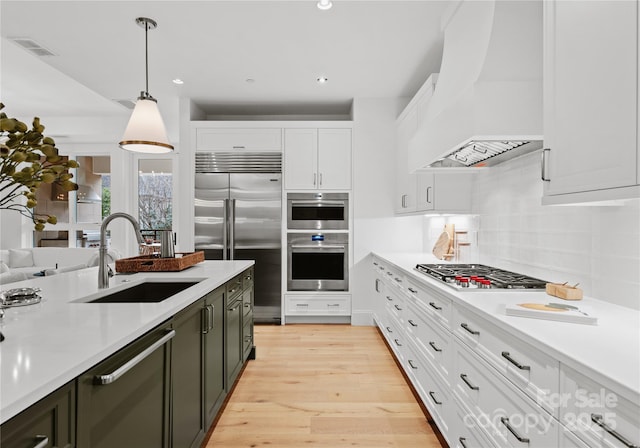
[{"x": 479, "y": 276}]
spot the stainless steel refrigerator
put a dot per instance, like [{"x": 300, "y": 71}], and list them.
[{"x": 238, "y": 215}]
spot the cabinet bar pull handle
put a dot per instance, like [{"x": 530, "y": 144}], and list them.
[
  {"x": 375, "y": 263},
  {"x": 399, "y": 280},
  {"x": 514, "y": 362},
  {"x": 116, "y": 374},
  {"x": 505, "y": 422},
  {"x": 431, "y": 394},
  {"x": 397, "y": 307},
  {"x": 389, "y": 299},
  {"x": 413, "y": 366},
  {"x": 302, "y": 304},
  {"x": 314, "y": 178},
  {"x": 333, "y": 304},
  {"x": 462, "y": 441},
  {"x": 43, "y": 441},
  {"x": 466, "y": 327},
  {"x": 598, "y": 420},
  {"x": 397, "y": 343},
  {"x": 434, "y": 347},
  {"x": 428, "y": 195},
  {"x": 414, "y": 291},
  {"x": 320, "y": 179},
  {"x": 212, "y": 311},
  {"x": 238, "y": 147},
  {"x": 543, "y": 163},
  {"x": 466, "y": 381},
  {"x": 381, "y": 267},
  {"x": 389, "y": 273},
  {"x": 377, "y": 285},
  {"x": 205, "y": 320},
  {"x": 434, "y": 306},
  {"x": 389, "y": 330},
  {"x": 412, "y": 323}
]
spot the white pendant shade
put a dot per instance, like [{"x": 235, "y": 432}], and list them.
[{"x": 145, "y": 131}]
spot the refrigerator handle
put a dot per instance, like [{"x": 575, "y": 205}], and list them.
[
  {"x": 232, "y": 229},
  {"x": 225, "y": 224}
]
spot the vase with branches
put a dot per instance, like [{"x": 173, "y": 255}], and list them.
[{"x": 27, "y": 160}]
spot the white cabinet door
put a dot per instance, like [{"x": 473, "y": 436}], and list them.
[
  {"x": 301, "y": 159},
  {"x": 590, "y": 95},
  {"x": 405, "y": 199},
  {"x": 235, "y": 139},
  {"x": 425, "y": 192},
  {"x": 334, "y": 159},
  {"x": 317, "y": 159}
]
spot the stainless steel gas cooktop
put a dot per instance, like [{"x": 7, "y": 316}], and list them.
[{"x": 480, "y": 277}]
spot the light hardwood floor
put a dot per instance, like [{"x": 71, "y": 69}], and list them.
[{"x": 322, "y": 385}]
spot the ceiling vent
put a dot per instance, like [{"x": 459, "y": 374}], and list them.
[
  {"x": 126, "y": 103},
  {"x": 32, "y": 46}
]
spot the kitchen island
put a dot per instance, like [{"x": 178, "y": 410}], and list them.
[{"x": 49, "y": 344}]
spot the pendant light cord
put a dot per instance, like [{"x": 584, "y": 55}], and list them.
[{"x": 146, "y": 57}]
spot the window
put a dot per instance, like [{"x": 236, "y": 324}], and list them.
[{"x": 155, "y": 194}]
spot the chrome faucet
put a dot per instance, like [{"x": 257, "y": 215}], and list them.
[{"x": 103, "y": 270}]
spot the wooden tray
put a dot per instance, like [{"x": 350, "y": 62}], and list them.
[{"x": 146, "y": 263}]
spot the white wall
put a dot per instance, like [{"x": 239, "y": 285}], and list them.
[
  {"x": 375, "y": 227},
  {"x": 596, "y": 246}
]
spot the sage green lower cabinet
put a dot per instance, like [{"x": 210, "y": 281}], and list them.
[
  {"x": 164, "y": 390},
  {"x": 233, "y": 344},
  {"x": 214, "y": 374},
  {"x": 124, "y": 400},
  {"x": 48, "y": 423},
  {"x": 187, "y": 415}
]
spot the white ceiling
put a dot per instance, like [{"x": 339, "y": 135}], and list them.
[{"x": 366, "y": 48}]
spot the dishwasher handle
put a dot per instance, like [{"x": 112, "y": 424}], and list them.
[{"x": 119, "y": 372}]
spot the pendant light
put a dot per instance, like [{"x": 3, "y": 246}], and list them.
[{"x": 145, "y": 131}]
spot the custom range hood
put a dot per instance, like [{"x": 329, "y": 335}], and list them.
[{"x": 487, "y": 104}]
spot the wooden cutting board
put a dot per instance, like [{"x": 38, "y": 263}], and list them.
[{"x": 441, "y": 248}]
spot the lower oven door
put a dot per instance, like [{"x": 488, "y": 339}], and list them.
[{"x": 318, "y": 265}]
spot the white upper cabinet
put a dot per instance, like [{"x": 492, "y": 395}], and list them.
[
  {"x": 590, "y": 101},
  {"x": 317, "y": 159},
  {"x": 236, "y": 139},
  {"x": 405, "y": 198},
  {"x": 444, "y": 192}
]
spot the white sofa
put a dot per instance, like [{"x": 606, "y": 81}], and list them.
[{"x": 25, "y": 263}]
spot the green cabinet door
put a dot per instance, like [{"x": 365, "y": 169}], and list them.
[
  {"x": 187, "y": 372},
  {"x": 214, "y": 354},
  {"x": 48, "y": 423}
]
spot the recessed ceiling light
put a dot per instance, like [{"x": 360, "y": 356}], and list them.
[
  {"x": 249, "y": 80},
  {"x": 178, "y": 81},
  {"x": 322, "y": 80},
  {"x": 324, "y": 4}
]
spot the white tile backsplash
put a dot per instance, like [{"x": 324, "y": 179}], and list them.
[{"x": 598, "y": 247}]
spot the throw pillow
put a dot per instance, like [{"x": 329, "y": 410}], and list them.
[{"x": 20, "y": 258}]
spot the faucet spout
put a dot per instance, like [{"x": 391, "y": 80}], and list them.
[{"x": 103, "y": 271}]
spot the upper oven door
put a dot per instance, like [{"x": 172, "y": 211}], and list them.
[{"x": 318, "y": 211}]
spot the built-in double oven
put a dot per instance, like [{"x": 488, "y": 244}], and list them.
[{"x": 317, "y": 242}]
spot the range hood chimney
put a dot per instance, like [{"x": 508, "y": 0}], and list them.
[{"x": 487, "y": 104}]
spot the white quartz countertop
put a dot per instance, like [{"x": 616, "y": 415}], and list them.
[
  {"x": 50, "y": 343},
  {"x": 608, "y": 352}
]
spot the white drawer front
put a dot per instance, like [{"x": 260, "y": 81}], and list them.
[
  {"x": 228, "y": 139},
  {"x": 598, "y": 416},
  {"x": 318, "y": 305},
  {"x": 534, "y": 372},
  {"x": 395, "y": 305},
  {"x": 507, "y": 416},
  {"x": 438, "y": 307},
  {"x": 464, "y": 431},
  {"x": 433, "y": 343},
  {"x": 435, "y": 396}
]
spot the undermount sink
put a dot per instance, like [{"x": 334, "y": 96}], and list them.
[{"x": 146, "y": 292}]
